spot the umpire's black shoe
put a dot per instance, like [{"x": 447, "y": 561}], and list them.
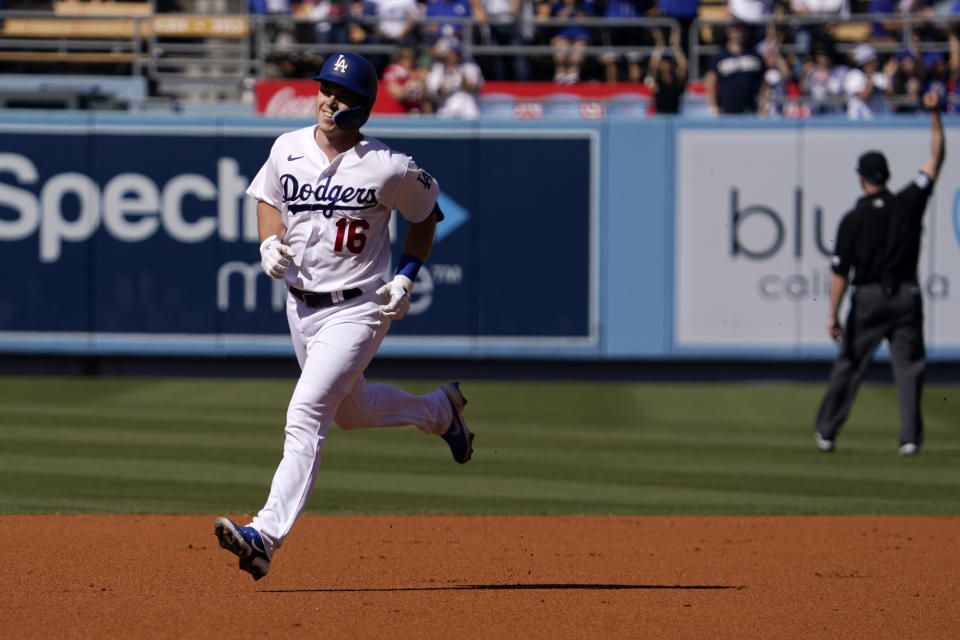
[{"x": 458, "y": 436}]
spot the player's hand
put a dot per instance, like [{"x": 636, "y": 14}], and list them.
[
  {"x": 834, "y": 329},
  {"x": 395, "y": 297},
  {"x": 275, "y": 257},
  {"x": 931, "y": 100}
]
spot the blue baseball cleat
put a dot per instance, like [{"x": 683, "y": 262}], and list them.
[
  {"x": 458, "y": 436},
  {"x": 246, "y": 544}
]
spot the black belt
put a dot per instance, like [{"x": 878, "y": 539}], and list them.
[{"x": 320, "y": 300}]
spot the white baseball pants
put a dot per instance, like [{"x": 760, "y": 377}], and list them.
[{"x": 334, "y": 346}]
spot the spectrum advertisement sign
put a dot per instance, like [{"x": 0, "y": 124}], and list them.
[
  {"x": 148, "y": 239},
  {"x": 757, "y": 216}
]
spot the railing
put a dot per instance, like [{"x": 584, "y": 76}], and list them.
[
  {"x": 41, "y": 37},
  {"x": 223, "y": 52},
  {"x": 167, "y": 48},
  {"x": 905, "y": 25},
  {"x": 472, "y": 36}
]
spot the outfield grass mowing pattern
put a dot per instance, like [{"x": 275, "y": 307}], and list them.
[{"x": 140, "y": 445}]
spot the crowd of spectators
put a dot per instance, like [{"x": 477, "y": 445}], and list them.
[
  {"x": 886, "y": 72},
  {"x": 791, "y": 69}
]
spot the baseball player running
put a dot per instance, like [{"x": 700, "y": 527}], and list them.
[{"x": 325, "y": 195}]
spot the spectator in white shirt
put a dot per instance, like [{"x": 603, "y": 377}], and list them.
[
  {"x": 866, "y": 85},
  {"x": 454, "y": 83}
]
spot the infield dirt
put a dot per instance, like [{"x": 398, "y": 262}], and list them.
[{"x": 466, "y": 577}]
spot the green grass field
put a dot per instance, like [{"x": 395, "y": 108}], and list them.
[{"x": 143, "y": 445}]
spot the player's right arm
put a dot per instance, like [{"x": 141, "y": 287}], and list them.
[
  {"x": 274, "y": 255},
  {"x": 931, "y": 101},
  {"x": 269, "y": 221},
  {"x": 265, "y": 187}
]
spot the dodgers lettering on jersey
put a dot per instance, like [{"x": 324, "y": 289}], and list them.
[
  {"x": 324, "y": 197},
  {"x": 337, "y": 213}
]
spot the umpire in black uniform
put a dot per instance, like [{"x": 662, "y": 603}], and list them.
[{"x": 880, "y": 240}]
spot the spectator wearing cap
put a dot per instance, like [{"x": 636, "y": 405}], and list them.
[
  {"x": 866, "y": 85},
  {"x": 906, "y": 82},
  {"x": 734, "y": 81}
]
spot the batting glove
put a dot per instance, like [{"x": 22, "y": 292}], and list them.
[
  {"x": 275, "y": 257},
  {"x": 395, "y": 297}
]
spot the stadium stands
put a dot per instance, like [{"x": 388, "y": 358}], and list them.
[{"x": 210, "y": 55}]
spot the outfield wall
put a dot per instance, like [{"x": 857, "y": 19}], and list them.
[{"x": 613, "y": 239}]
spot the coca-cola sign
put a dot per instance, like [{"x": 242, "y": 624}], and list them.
[
  {"x": 287, "y": 102},
  {"x": 530, "y": 100}
]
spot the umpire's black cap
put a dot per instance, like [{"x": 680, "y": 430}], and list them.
[{"x": 873, "y": 167}]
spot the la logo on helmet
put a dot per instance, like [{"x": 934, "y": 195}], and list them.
[{"x": 341, "y": 64}]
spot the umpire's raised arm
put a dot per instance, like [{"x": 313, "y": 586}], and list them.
[{"x": 931, "y": 102}]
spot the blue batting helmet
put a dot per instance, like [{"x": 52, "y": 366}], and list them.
[{"x": 358, "y": 74}]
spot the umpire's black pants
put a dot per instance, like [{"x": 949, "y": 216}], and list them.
[{"x": 875, "y": 315}]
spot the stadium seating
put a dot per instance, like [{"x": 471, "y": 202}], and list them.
[{"x": 217, "y": 57}]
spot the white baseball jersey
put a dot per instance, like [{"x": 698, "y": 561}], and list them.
[{"x": 337, "y": 213}]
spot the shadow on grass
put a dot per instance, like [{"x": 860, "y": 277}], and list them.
[{"x": 517, "y": 587}]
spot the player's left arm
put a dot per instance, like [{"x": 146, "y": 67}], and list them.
[
  {"x": 416, "y": 248},
  {"x": 416, "y": 193},
  {"x": 419, "y": 239}
]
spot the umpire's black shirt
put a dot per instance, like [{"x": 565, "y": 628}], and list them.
[{"x": 880, "y": 238}]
